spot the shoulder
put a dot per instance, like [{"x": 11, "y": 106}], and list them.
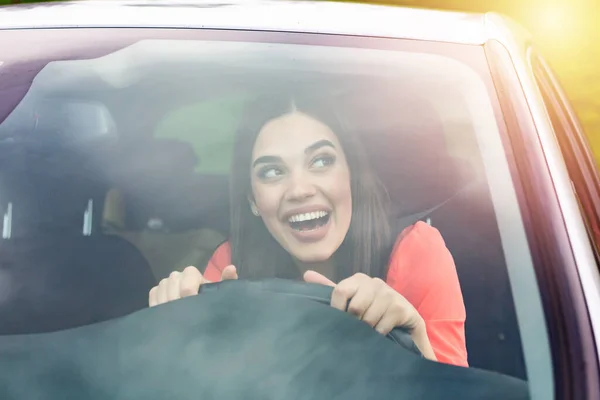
[
  {"x": 219, "y": 260},
  {"x": 420, "y": 262},
  {"x": 223, "y": 252},
  {"x": 418, "y": 237},
  {"x": 423, "y": 271}
]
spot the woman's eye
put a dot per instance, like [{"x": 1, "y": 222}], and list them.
[
  {"x": 323, "y": 161},
  {"x": 270, "y": 173}
]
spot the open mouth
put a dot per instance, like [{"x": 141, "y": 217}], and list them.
[{"x": 308, "y": 221}]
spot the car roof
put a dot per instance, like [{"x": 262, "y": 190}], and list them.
[{"x": 265, "y": 15}]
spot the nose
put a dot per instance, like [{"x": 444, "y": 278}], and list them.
[{"x": 300, "y": 187}]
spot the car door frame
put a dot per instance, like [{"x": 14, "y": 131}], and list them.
[
  {"x": 583, "y": 173},
  {"x": 556, "y": 233},
  {"x": 575, "y": 147},
  {"x": 585, "y": 181}
]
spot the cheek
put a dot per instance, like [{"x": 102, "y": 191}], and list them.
[
  {"x": 267, "y": 199},
  {"x": 340, "y": 190}
]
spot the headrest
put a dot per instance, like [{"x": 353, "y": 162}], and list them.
[
  {"x": 417, "y": 174},
  {"x": 156, "y": 181},
  {"x": 410, "y": 155},
  {"x": 190, "y": 203},
  {"x": 153, "y": 159},
  {"x": 47, "y": 188}
]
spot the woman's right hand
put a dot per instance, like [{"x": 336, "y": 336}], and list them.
[{"x": 183, "y": 284}]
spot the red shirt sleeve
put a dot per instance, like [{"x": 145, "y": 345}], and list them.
[
  {"x": 219, "y": 260},
  {"x": 423, "y": 271}
]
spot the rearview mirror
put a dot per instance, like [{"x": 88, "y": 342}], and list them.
[{"x": 73, "y": 120}]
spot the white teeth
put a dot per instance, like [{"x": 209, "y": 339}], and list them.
[{"x": 307, "y": 216}]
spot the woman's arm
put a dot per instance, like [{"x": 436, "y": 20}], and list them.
[{"x": 423, "y": 271}]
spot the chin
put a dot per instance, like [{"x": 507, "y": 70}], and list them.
[
  {"x": 307, "y": 256},
  {"x": 313, "y": 257}
]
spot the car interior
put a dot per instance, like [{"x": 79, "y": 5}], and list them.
[{"x": 106, "y": 190}]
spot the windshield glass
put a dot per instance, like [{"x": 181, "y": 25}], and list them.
[{"x": 126, "y": 155}]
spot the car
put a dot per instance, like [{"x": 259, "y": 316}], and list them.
[{"x": 117, "y": 125}]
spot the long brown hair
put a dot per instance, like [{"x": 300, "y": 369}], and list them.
[{"x": 255, "y": 252}]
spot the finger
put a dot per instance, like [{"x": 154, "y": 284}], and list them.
[
  {"x": 388, "y": 322},
  {"x": 362, "y": 300},
  {"x": 161, "y": 295},
  {"x": 376, "y": 310},
  {"x": 190, "y": 282},
  {"x": 346, "y": 289},
  {"x": 229, "y": 272},
  {"x": 315, "y": 277},
  {"x": 397, "y": 314},
  {"x": 152, "y": 296},
  {"x": 173, "y": 286},
  {"x": 342, "y": 293}
]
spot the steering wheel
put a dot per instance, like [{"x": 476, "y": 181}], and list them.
[
  {"x": 198, "y": 346},
  {"x": 310, "y": 291}
]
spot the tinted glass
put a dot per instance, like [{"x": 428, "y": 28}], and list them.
[{"x": 116, "y": 150}]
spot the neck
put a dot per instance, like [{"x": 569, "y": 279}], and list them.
[{"x": 326, "y": 268}]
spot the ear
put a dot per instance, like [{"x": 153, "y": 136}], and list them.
[{"x": 253, "y": 207}]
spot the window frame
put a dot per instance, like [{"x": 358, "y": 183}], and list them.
[
  {"x": 567, "y": 320},
  {"x": 574, "y": 145},
  {"x": 549, "y": 248},
  {"x": 584, "y": 176}
]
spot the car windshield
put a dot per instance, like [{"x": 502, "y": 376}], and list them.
[{"x": 118, "y": 150}]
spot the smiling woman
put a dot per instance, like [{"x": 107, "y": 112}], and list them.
[
  {"x": 305, "y": 202},
  {"x": 305, "y": 176},
  {"x": 307, "y": 223}
]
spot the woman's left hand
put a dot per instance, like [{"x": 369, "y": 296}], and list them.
[{"x": 376, "y": 303}]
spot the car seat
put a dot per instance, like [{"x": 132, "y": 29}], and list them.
[
  {"x": 426, "y": 183},
  {"x": 165, "y": 250},
  {"x": 56, "y": 270},
  {"x": 160, "y": 204}
]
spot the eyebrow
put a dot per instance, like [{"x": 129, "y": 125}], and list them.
[
  {"x": 266, "y": 160},
  {"x": 276, "y": 159},
  {"x": 317, "y": 145}
]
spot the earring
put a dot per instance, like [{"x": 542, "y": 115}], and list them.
[{"x": 255, "y": 211}]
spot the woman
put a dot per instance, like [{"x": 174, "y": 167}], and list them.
[{"x": 305, "y": 204}]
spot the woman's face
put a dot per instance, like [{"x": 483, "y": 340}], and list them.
[{"x": 301, "y": 186}]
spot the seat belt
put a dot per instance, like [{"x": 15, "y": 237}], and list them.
[{"x": 408, "y": 220}]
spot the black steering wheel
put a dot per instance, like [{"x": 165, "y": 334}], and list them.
[
  {"x": 310, "y": 291},
  {"x": 201, "y": 346}
]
